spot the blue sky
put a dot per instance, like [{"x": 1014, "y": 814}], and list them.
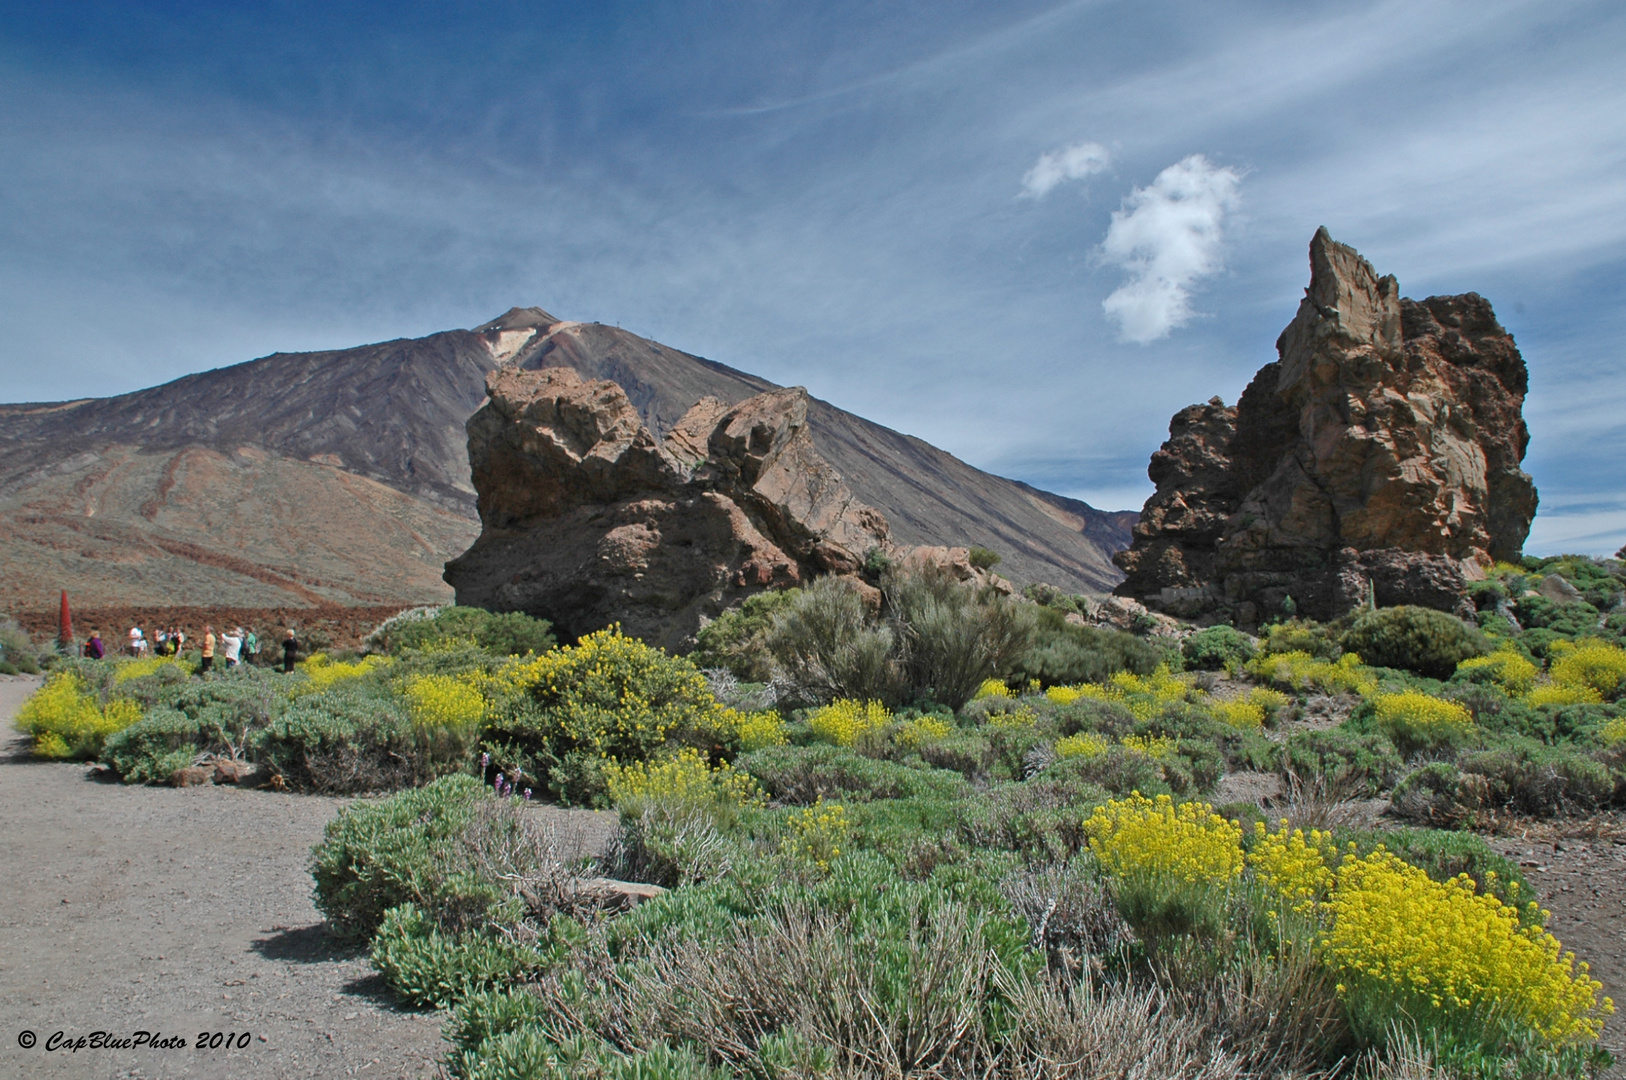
[{"x": 1026, "y": 232}]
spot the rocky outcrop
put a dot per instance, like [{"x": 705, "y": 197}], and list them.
[
  {"x": 590, "y": 517},
  {"x": 1376, "y": 460}
]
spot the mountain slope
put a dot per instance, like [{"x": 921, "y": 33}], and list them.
[{"x": 342, "y": 477}]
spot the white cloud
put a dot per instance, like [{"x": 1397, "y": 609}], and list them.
[
  {"x": 1073, "y": 163},
  {"x": 1167, "y": 236}
]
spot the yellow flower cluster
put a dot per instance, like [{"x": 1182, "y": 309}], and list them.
[
  {"x": 844, "y": 722},
  {"x": 1083, "y": 745},
  {"x": 1016, "y": 718},
  {"x": 1508, "y": 669},
  {"x": 1145, "y": 696},
  {"x": 1241, "y": 714},
  {"x": 444, "y": 701},
  {"x": 816, "y": 834},
  {"x": 1156, "y": 747},
  {"x": 991, "y": 688},
  {"x": 1395, "y": 929},
  {"x": 1155, "y": 838},
  {"x": 1300, "y": 670},
  {"x": 1614, "y": 731},
  {"x": 1268, "y": 699},
  {"x": 321, "y": 672},
  {"x": 67, "y": 722},
  {"x": 755, "y": 730},
  {"x": 148, "y": 665},
  {"x": 922, "y": 730},
  {"x": 684, "y": 779},
  {"x": 1293, "y": 863},
  {"x": 1557, "y": 694},
  {"x": 1420, "y": 718},
  {"x": 1589, "y": 663}
]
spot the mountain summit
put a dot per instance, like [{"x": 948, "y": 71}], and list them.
[{"x": 343, "y": 477}]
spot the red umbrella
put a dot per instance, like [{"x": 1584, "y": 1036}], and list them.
[{"x": 65, "y": 627}]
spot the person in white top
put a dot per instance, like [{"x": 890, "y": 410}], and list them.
[
  {"x": 138, "y": 643},
  {"x": 233, "y": 642}
]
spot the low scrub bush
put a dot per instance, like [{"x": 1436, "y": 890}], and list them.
[
  {"x": 1064, "y": 653},
  {"x": 17, "y": 650},
  {"x": 377, "y": 855},
  {"x": 954, "y": 637},
  {"x": 685, "y": 781},
  {"x": 1418, "y": 639},
  {"x": 1342, "y": 761},
  {"x": 1217, "y": 648},
  {"x": 815, "y": 835},
  {"x": 1300, "y": 636},
  {"x": 323, "y": 672},
  {"x": 1539, "y": 780},
  {"x": 154, "y": 747},
  {"x": 822, "y": 642},
  {"x": 801, "y": 775},
  {"x": 1302, "y": 671},
  {"x": 510, "y": 633},
  {"x": 426, "y": 966},
  {"x": 357, "y": 739}
]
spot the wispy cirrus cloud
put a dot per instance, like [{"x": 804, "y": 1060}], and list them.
[
  {"x": 1167, "y": 236},
  {"x": 1071, "y": 163}
]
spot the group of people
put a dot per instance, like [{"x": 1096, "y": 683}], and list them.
[{"x": 235, "y": 646}]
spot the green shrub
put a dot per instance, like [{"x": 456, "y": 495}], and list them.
[
  {"x": 1300, "y": 636},
  {"x": 737, "y": 640},
  {"x": 357, "y": 739},
  {"x": 954, "y": 637},
  {"x": 1539, "y": 780},
  {"x": 1341, "y": 760},
  {"x": 1066, "y": 654},
  {"x": 1418, "y": 639},
  {"x": 376, "y": 855},
  {"x": 967, "y": 754},
  {"x": 1434, "y": 793},
  {"x": 1217, "y": 647},
  {"x": 154, "y": 747},
  {"x": 510, "y": 633},
  {"x": 823, "y": 643},
  {"x": 801, "y": 775},
  {"x": 1420, "y": 723},
  {"x": 17, "y": 650},
  {"x": 1118, "y": 771},
  {"x": 983, "y": 558},
  {"x": 426, "y": 966}
]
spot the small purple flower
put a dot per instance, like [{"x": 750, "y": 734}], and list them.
[
  {"x": 498, "y": 783},
  {"x": 527, "y": 794},
  {"x": 485, "y": 761}
]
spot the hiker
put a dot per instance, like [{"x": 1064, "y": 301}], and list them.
[
  {"x": 138, "y": 643},
  {"x": 93, "y": 647},
  {"x": 177, "y": 640},
  {"x": 232, "y": 643},
  {"x": 290, "y": 652},
  {"x": 208, "y": 650},
  {"x": 251, "y": 647}
]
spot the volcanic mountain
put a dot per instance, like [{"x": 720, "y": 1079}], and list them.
[{"x": 307, "y": 479}]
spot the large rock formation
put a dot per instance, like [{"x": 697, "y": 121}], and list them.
[
  {"x": 1377, "y": 459},
  {"x": 591, "y": 517}
]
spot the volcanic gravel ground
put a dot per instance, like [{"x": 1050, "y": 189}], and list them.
[{"x": 182, "y": 911}]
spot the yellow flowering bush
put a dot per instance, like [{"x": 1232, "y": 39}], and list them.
[
  {"x": 444, "y": 701},
  {"x": 1614, "y": 731},
  {"x": 1301, "y": 671},
  {"x": 1557, "y": 694},
  {"x": 1395, "y": 934},
  {"x": 67, "y": 722},
  {"x": 1293, "y": 863},
  {"x": 817, "y": 834},
  {"x": 1415, "y": 720},
  {"x": 1506, "y": 668},
  {"x": 1016, "y": 718},
  {"x": 923, "y": 730},
  {"x": 1066, "y": 695},
  {"x": 1589, "y": 663},
  {"x": 685, "y": 779},
  {"x": 1268, "y": 699},
  {"x": 1141, "y": 837},
  {"x": 1145, "y": 696},
  {"x": 126, "y": 670},
  {"x": 755, "y": 730},
  {"x": 844, "y": 722},
  {"x": 1243, "y": 715},
  {"x": 321, "y": 672},
  {"x": 1156, "y": 747},
  {"x": 991, "y": 688},
  {"x": 1083, "y": 745}
]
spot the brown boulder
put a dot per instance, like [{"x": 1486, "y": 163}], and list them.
[
  {"x": 1377, "y": 458},
  {"x": 590, "y": 517}
]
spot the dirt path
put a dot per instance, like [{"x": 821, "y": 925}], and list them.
[{"x": 178, "y": 911}]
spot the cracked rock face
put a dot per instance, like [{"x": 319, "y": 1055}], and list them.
[
  {"x": 590, "y": 518},
  {"x": 1377, "y": 459}
]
